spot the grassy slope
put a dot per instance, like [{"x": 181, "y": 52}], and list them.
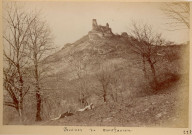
[
  {"x": 141, "y": 108},
  {"x": 167, "y": 107},
  {"x": 164, "y": 109}
]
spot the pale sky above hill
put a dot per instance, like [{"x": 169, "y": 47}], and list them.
[{"x": 69, "y": 21}]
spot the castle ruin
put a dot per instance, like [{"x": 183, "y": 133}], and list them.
[{"x": 99, "y": 31}]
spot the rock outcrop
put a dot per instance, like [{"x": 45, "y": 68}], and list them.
[{"x": 99, "y": 31}]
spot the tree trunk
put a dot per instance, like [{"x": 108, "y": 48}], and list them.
[
  {"x": 20, "y": 101},
  {"x": 144, "y": 68},
  {"x": 20, "y": 107},
  {"x": 104, "y": 97},
  {"x": 104, "y": 93},
  {"x": 38, "y": 113},
  {"x": 122, "y": 100},
  {"x": 38, "y": 95},
  {"x": 116, "y": 95},
  {"x": 153, "y": 72},
  {"x": 20, "y": 110}
]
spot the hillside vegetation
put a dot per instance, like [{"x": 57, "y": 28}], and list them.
[
  {"x": 131, "y": 100},
  {"x": 74, "y": 75}
]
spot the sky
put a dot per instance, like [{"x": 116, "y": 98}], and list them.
[{"x": 69, "y": 21}]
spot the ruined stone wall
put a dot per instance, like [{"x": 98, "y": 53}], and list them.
[
  {"x": 94, "y": 24},
  {"x": 99, "y": 31}
]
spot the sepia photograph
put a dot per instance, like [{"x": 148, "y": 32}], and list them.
[{"x": 101, "y": 64}]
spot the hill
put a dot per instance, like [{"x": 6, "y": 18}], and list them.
[{"x": 74, "y": 73}]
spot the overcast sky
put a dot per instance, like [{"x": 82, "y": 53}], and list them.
[{"x": 69, "y": 21}]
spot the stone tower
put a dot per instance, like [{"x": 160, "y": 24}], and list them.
[
  {"x": 107, "y": 25},
  {"x": 94, "y": 24}
]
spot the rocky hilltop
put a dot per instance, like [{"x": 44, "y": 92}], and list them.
[{"x": 99, "y": 46}]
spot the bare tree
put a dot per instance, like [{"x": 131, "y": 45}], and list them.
[
  {"x": 11, "y": 86},
  {"x": 145, "y": 42},
  {"x": 78, "y": 67},
  {"x": 15, "y": 37},
  {"x": 39, "y": 44},
  {"x": 178, "y": 14},
  {"x": 117, "y": 85},
  {"x": 104, "y": 78}
]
